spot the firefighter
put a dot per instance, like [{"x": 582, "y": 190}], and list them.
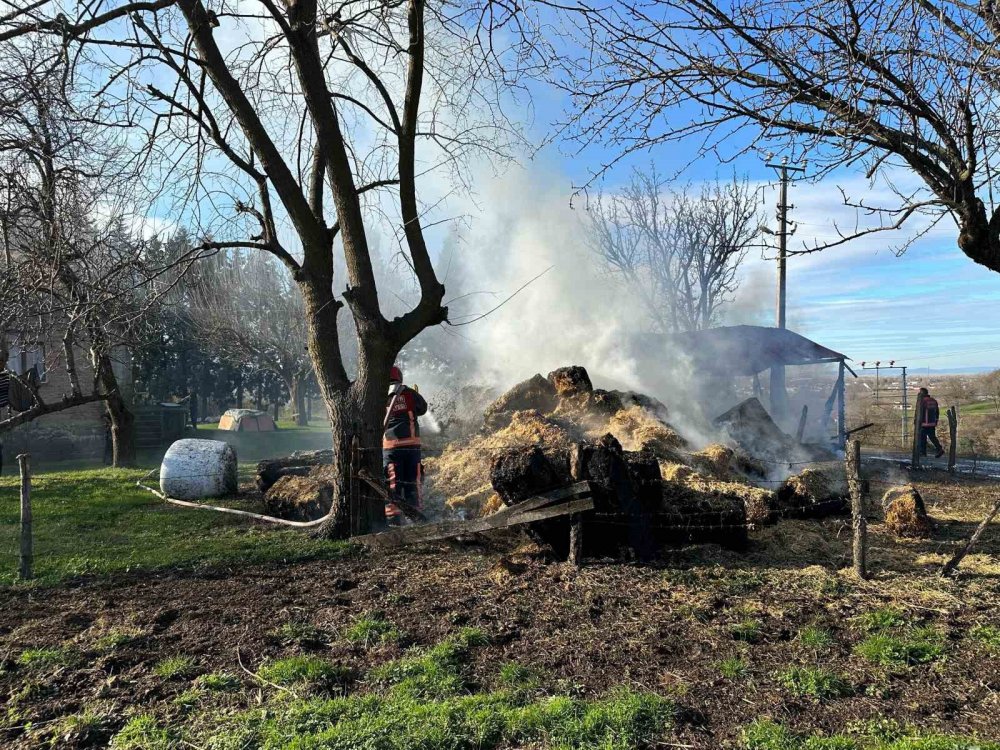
[
  {"x": 929, "y": 412},
  {"x": 401, "y": 447}
]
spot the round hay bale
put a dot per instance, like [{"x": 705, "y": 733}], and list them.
[
  {"x": 194, "y": 469},
  {"x": 905, "y": 514}
]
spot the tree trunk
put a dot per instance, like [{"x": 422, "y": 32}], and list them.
[
  {"x": 239, "y": 389},
  {"x": 297, "y": 389},
  {"x": 122, "y": 418}
]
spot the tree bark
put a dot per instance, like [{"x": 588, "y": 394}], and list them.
[
  {"x": 122, "y": 418},
  {"x": 297, "y": 390}
]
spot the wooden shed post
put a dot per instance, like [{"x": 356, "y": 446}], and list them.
[{"x": 841, "y": 408}]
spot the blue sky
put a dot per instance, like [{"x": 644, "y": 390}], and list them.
[{"x": 929, "y": 307}]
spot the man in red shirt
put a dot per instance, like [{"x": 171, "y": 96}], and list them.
[
  {"x": 929, "y": 413},
  {"x": 401, "y": 447}
]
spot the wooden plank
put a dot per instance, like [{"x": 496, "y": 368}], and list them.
[
  {"x": 434, "y": 532},
  {"x": 580, "y": 489}
]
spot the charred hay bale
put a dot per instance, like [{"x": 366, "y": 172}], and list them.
[
  {"x": 905, "y": 513},
  {"x": 535, "y": 393},
  {"x": 758, "y": 502},
  {"x": 726, "y": 464},
  {"x": 749, "y": 426},
  {"x": 297, "y": 464},
  {"x": 816, "y": 492},
  {"x": 570, "y": 381},
  {"x": 298, "y": 498},
  {"x": 519, "y": 473},
  {"x": 692, "y": 514}
]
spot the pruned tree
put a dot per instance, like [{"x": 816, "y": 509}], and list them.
[
  {"x": 286, "y": 121},
  {"x": 679, "y": 252},
  {"x": 246, "y": 306},
  {"x": 899, "y": 88}
]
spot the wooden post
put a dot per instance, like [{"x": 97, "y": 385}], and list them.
[
  {"x": 27, "y": 551},
  {"x": 841, "y": 408},
  {"x": 802, "y": 423},
  {"x": 575, "y": 556},
  {"x": 953, "y": 437},
  {"x": 952, "y": 565},
  {"x": 918, "y": 404},
  {"x": 853, "y": 465}
]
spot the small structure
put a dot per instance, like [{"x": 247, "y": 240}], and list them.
[
  {"x": 247, "y": 420},
  {"x": 721, "y": 354}
]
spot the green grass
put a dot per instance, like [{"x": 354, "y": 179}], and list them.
[
  {"x": 392, "y": 715},
  {"x": 142, "y": 732},
  {"x": 814, "y": 682},
  {"x": 749, "y": 631},
  {"x": 372, "y": 630},
  {"x": 879, "y": 620},
  {"x": 301, "y": 634},
  {"x": 39, "y": 658},
  {"x": 765, "y": 734},
  {"x": 175, "y": 667},
  {"x": 117, "y": 638},
  {"x": 988, "y": 636},
  {"x": 219, "y": 682},
  {"x": 907, "y": 648},
  {"x": 815, "y": 638},
  {"x": 308, "y": 672},
  {"x": 732, "y": 668},
  {"x": 97, "y": 522}
]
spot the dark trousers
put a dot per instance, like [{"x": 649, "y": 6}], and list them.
[
  {"x": 404, "y": 475},
  {"x": 929, "y": 433}
]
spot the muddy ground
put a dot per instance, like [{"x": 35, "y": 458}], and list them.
[{"x": 663, "y": 627}]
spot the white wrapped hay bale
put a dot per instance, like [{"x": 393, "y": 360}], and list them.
[{"x": 194, "y": 469}]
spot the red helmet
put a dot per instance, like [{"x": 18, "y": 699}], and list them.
[{"x": 395, "y": 375}]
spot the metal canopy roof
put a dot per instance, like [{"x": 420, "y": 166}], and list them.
[{"x": 748, "y": 350}]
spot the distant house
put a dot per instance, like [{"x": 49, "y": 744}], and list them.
[{"x": 73, "y": 433}]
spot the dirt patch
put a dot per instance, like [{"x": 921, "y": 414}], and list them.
[{"x": 665, "y": 627}]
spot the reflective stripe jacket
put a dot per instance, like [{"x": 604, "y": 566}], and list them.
[
  {"x": 402, "y": 410},
  {"x": 929, "y": 412}
]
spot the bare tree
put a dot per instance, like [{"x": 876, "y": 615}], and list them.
[
  {"x": 679, "y": 252},
  {"x": 75, "y": 274},
  {"x": 286, "y": 121},
  {"x": 896, "y": 87},
  {"x": 246, "y": 305}
]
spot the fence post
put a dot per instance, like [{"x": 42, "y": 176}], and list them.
[
  {"x": 915, "y": 458},
  {"x": 860, "y": 524},
  {"x": 802, "y": 423},
  {"x": 575, "y": 556},
  {"x": 953, "y": 436},
  {"x": 27, "y": 550}
]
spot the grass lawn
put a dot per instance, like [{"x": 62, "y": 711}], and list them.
[{"x": 96, "y": 521}]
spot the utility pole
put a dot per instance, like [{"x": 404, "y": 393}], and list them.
[{"x": 779, "y": 396}]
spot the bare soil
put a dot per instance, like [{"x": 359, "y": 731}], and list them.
[{"x": 663, "y": 627}]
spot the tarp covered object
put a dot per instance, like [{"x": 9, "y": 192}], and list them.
[
  {"x": 246, "y": 420},
  {"x": 748, "y": 350}
]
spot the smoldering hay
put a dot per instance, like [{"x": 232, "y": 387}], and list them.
[{"x": 697, "y": 486}]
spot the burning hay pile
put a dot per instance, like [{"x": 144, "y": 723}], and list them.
[{"x": 649, "y": 487}]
